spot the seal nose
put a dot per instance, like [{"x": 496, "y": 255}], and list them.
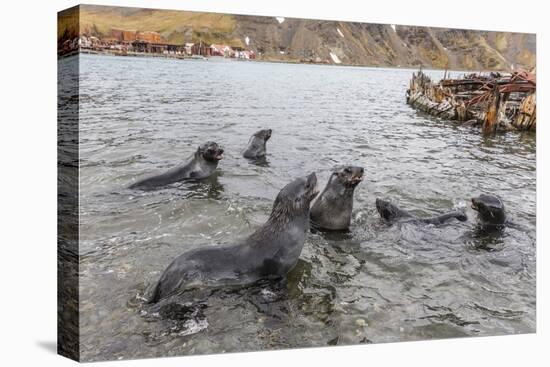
[
  {"x": 312, "y": 179},
  {"x": 359, "y": 173}
]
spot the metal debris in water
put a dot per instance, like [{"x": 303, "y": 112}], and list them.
[{"x": 495, "y": 101}]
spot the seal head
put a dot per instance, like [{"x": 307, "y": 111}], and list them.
[
  {"x": 389, "y": 211},
  {"x": 210, "y": 152},
  {"x": 296, "y": 196},
  {"x": 333, "y": 208},
  {"x": 490, "y": 209},
  {"x": 256, "y": 147}
]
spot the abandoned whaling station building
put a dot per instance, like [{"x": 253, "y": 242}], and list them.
[{"x": 131, "y": 42}]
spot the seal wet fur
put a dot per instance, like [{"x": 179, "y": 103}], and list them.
[
  {"x": 490, "y": 209},
  {"x": 256, "y": 147},
  {"x": 201, "y": 165},
  {"x": 392, "y": 213},
  {"x": 333, "y": 207},
  {"x": 271, "y": 251}
]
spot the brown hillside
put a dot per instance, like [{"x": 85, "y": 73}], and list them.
[{"x": 303, "y": 39}]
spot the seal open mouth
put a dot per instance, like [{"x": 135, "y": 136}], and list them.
[
  {"x": 474, "y": 205},
  {"x": 219, "y": 156},
  {"x": 356, "y": 176},
  {"x": 312, "y": 188},
  {"x": 315, "y": 191},
  {"x": 355, "y": 180}
]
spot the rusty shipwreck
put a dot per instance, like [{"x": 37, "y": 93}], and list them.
[{"x": 495, "y": 101}]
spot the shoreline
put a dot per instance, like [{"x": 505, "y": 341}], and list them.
[{"x": 266, "y": 60}]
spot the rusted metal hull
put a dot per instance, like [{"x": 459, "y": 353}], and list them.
[{"x": 493, "y": 101}]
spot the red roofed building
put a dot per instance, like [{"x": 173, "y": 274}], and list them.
[
  {"x": 148, "y": 36},
  {"x": 222, "y": 50}
]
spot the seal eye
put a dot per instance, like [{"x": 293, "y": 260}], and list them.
[{"x": 347, "y": 170}]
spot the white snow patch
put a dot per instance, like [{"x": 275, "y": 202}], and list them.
[
  {"x": 335, "y": 58},
  {"x": 340, "y": 32},
  {"x": 247, "y": 40},
  {"x": 393, "y": 27},
  {"x": 282, "y": 52},
  {"x": 280, "y": 19}
]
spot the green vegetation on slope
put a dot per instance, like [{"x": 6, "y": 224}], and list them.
[
  {"x": 305, "y": 39},
  {"x": 174, "y": 26}
]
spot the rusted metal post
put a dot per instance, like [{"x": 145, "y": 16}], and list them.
[{"x": 491, "y": 117}]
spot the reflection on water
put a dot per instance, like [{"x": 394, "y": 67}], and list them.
[{"x": 374, "y": 283}]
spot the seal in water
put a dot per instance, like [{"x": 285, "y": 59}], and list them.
[
  {"x": 271, "y": 251},
  {"x": 391, "y": 213},
  {"x": 332, "y": 208},
  {"x": 256, "y": 145},
  {"x": 490, "y": 209},
  {"x": 201, "y": 165}
]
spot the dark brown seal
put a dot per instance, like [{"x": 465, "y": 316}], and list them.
[
  {"x": 392, "y": 213},
  {"x": 333, "y": 207},
  {"x": 256, "y": 147},
  {"x": 271, "y": 251},
  {"x": 201, "y": 165}
]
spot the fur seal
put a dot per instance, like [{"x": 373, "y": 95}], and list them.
[
  {"x": 391, "y": 213},
  {"x": 271, "y": 251},
  {"x": 490, "y": 210},
  {"x": 201, "y": 165},
  {"x": 256, "y": 145},
  {"x": 332, "y": 208}
]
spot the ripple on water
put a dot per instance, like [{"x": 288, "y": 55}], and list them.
[{"x": 376, "y": 283}]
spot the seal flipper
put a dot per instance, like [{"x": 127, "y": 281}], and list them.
[
  {"x": 270, "y": 266},
  {"x": 155, "y": 294},
  {"x": 440, "y": 219}
]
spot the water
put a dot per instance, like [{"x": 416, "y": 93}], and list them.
[{"x": 377, "y": 283}]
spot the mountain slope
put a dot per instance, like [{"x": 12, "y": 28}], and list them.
[{"x": 303, "y": 39}]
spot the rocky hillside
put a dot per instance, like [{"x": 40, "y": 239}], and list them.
[{"x": 288, "y": 39}]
